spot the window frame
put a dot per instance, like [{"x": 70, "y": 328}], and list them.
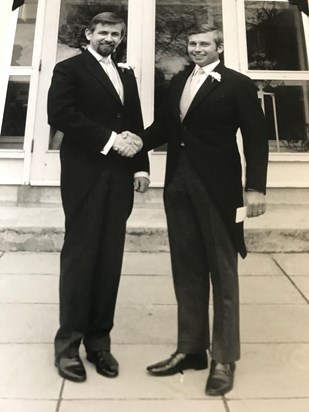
[
  {"x": 33, "y": 72},
  {"x": 292, "y": 75}
]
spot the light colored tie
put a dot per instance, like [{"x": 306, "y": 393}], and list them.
[
  {"x": 114, "y": 77},
  {"x": 194, "y": 82}
]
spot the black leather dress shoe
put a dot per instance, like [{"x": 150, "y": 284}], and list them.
[
  {"x": 71, "y": 368},
  {"x": 178, "y": 362},
  {"x": 105, "y": 363},
  {"x": 221, "y": 378}
]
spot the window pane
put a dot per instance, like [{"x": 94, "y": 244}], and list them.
[
  {"x": 74, "y": 18},
  {"x": 286, "y": 106},
  {"x": 275, "y": 36},
  {"x": 173, "y": 19},
  {"x": 24, "y": 36},
  {"x": 15, "y": 112}
]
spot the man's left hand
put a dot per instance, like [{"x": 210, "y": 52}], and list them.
[
  {"x": 256, "y": 203},
  {"x": 141, "y": 184}
]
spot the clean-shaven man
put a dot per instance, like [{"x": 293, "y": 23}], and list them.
[{"x": 206, "y": 104}]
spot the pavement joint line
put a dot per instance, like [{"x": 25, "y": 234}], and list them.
[
  {"x": 275, "y": 398},
  {"x": 28, "y": 274},
  {"x": 291, "y": 281},
  {"x": 28, "y": 399},
  {"x": 202, "y": 398},
  {"x": 169, "y": 343},
  {"x": 155, "y": 305},
  {"x": 30, "y": 303},
  {"x": 60, "y": 396},
  {"x": 226, "y": 406}
]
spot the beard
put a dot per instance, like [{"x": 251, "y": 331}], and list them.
[{"x": 105, "y": 49}]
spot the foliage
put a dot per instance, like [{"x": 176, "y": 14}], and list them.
[{"x": 77, "y": 18}]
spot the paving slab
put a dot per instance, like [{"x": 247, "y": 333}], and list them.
[
  {"x": 253, "y": 290},
  {"x": 136, "y": 290},
  {"x": 143, "y": 406},
  {"x": 276, "y": 362},
  {"x": 137, "y": 324},
  {"x": 274, "y": 323},
  {"x": 29, "y": 288},
  {"x": 272, "y": 405},
  {"x": 27, "y": 406},
  {"x": 302, "y": 283},
  {"x": 258, "y": 264},
  {"x": 271, "y": 371},
  {"x": 28, "y": 323},
  {"x": 28, "y": 373},
  {"x": 146, "y": 263},
  {"x": 259, "y": 323},
  {"x": 159, "y": 263},
  {"x": 271, "y": 376},
  {"x": 137, "y": 263},
  {"x": 30, "y": 262},
  {"x": 268, "y": 290},
  {"x": 293, "y": 263},
  {"x": 133, "y": 383}
]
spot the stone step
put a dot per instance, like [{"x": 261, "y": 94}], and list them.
[{"x": 284, "y": 228}]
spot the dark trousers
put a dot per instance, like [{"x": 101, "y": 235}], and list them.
[
  {"x": 201, "y": 250},
  {"x": 90, "y": 265}
]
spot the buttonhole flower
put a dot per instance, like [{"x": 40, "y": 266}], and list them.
[
  {"x": 124, "y": 66},
  {"x": 215, "y": 76}
]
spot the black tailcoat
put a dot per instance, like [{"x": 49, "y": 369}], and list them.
[
  {"x": 208, "y": 131},
  {"x": 97, "y": 196},
  {"x": 84, "y": 105}
]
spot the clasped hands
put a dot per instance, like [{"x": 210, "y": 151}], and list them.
[{"x": 127, "y": 144}]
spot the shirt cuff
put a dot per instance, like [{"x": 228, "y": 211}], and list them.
[
  {"x": 142, "y": 174},
  {"x": 109, "y": 144}
]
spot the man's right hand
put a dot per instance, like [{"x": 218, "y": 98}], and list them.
[{"x": 127, "y": 144}]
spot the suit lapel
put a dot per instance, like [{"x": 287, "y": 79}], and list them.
[
  {"x": 95, "y": 68},
  {"x": 124, "y": 79},
  {"x": 207, "y": 87}
]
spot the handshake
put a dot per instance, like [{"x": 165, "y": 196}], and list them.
[{"x": 127, "y": 144}]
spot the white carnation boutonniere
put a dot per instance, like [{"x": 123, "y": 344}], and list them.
[
  {"x": 215, "y": 76},
  {"x": 124, "y": 66}
]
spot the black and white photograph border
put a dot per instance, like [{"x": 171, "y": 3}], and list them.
[{"x": 266, "y": 40}]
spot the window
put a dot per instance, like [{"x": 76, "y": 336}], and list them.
[
  {"x": 276, "y": 58},
  {"x": 13, "y": 122}
]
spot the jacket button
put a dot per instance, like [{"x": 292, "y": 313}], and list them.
[{"x": 118, "y": 115}]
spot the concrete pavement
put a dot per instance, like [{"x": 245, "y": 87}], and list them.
[{"x": 271, "y": 377}]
